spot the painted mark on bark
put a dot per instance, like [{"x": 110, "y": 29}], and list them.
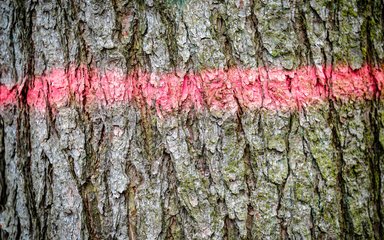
[{"x": 216, "y": 89}]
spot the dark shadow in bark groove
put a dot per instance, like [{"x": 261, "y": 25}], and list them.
[
  {"x": 3, "y": 186},
  {"x": 346, "y": 223}
]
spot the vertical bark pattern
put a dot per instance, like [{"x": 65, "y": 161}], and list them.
[{"x": 122, "y": 171}]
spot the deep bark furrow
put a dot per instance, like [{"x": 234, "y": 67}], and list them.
[
  {"x": 242, "y": 163},
  {"x": 345, "y": 218}
]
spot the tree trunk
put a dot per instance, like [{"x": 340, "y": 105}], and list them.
[{"x": 191, "y": 119}]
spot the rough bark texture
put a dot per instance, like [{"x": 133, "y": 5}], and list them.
[{"x": 122, "y": 172}]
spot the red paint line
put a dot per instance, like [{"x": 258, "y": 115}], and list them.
[{"x": 215, "y": 89}]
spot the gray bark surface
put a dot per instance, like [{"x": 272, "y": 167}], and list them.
[{"x": 121, "y": 172}]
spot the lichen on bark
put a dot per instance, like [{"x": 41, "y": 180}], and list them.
[{"x": 271, "y": 126}]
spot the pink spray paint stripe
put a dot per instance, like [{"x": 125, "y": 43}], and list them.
[{"x": 215, "y": 89}]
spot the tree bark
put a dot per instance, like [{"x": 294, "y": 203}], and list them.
[{"x": 91, "y": 169}]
